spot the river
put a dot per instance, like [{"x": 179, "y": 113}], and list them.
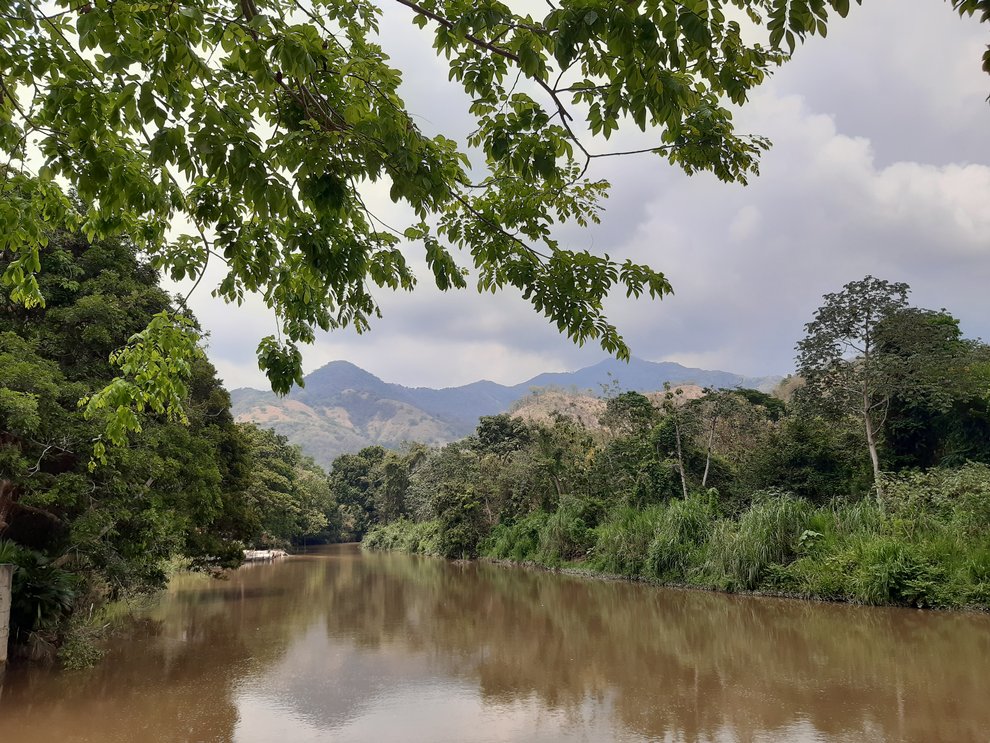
[{"x": 345, "y": 646}]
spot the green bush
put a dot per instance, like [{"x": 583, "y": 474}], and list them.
[
  {"x": 623, "y": 541},
  {"x": 565, "y": 535},
  {"x": 766, "y": 535},
  {"x": 42, "y": 594},
  {"x": 404, "y": 536},
  {"x": 681, "y": 536},
  {"x": 961, "y": 495},
  {"x": 518, "y": 541},
  {"x": 889, "y": 571}
]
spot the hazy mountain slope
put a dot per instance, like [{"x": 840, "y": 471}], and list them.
[
  {"x": 343, "y": 408},
  {"x": 643, "y": 375},
  {"x": 540, "y": 405}
]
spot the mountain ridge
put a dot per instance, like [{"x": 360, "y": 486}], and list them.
[{"x": 343, "y": 407}]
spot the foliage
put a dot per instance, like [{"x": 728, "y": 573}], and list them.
[
  {"x": 288, "y": 497},
  {"x": 779, "y": 497},
  {"x": 678, "y": 543},
  {"x": 42, "y": 593},
  {"x": 247, "y": 134},
  {"x": 925, "y": 543},
  {"x": 867, "y": 354},
  {"x": 942, "y": 415},
  {"x": 961, "y": 495},
  {"x": 810, "y": 456},
  {"x": 404, "y": 536},
  {"x": 173, "y": 490},
  {"x": 458, "y": 509},
  {"x": 638, "y": 469},
  {"x": 628, "y": 412},
  {"x": 501, "y": 435},
  {"x": 565, "y": 535},
  {"x": 518, "y": 541},
  {"x": 767, "y": 534},
  {"x": 622, "y": 542},
  {"x": 843, "y": 363}
]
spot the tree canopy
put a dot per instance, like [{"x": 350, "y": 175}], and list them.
[
  {"x": 173, "y": 490},
  {"x": 866, "y": 352},
  {"x": 244, "y": 133}
]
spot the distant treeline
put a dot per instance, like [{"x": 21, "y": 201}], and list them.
[{"x": 737, "y": 490}]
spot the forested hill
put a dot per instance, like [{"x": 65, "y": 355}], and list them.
[{"x": 343, "y": 408}]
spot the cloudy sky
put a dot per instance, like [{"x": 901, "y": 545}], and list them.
[{"x": 880, "y": 165}]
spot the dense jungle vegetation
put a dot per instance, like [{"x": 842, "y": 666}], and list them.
[
  {"x": 865, "y": 478},
  {"x": 83, "y": 533},
  {"x": 870, "y": 484}
]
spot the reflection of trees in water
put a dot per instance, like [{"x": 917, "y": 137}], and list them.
[
  {"x": 676, "y": 662},
  {"x": 680, "y": 664},
  {"x": 159, "y": 694},
  {"x": 172, "y": 677}
]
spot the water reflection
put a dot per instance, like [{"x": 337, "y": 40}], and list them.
[{"x": 343, "y": 646}]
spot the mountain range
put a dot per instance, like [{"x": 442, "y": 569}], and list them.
[{"x": 343, "y": 408}]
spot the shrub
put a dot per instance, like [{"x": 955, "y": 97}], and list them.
[
  {"x": 961, "y": 495},
  {"x": 767, "y": 534},
  {"x": 565, "y": 534},
  {"x": 414, "y": 537},
  {"x": 519, "y": 541},
  {"x": 890, "y": 571},
  {"x": 681, "y": 535},
  {"x": 42, "y": 594},
  {"x": 623, "y": 541}
]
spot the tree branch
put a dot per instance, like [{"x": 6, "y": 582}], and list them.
[{"x": 494, "y": 49}]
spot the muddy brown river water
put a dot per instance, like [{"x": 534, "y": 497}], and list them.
[{"x": 344, "y": 646}]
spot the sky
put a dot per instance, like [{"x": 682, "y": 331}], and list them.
[{"x": 880, "y": 166}]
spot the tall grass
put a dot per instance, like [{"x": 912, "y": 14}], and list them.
[
  {"x": 518, "y": 541},
  {"x": 623, "y": 541},
  {"x": 767, "y": 534},
  {"x": 680, "y": 541},
  {"x": 565, "y": 534}
]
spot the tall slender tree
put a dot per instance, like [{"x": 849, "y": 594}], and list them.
[{"x": 845, "y": 370}]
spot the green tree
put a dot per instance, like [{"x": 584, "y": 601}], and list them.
[
  {"x": 846, "y": 371},
  {"x": 288, "y": 495},
  {"x": 354, "y": 485},
  {"x": 628, "y": 412},
  {"x": 242, "y": 133},
  {"x": 683, "y": 422},
  {"x": 813, "y": 457},
  {"x": 942, "y": 415},
  {"x": 501, "y": 435},
  {"x": 173, "y": 490}
]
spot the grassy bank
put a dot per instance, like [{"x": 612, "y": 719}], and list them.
[{"x": 925, "y": 543}]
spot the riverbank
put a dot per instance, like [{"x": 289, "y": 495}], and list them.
[{"x": 923, "y": 548}]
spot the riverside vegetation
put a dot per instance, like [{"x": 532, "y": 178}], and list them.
[
  {"x": 90, "y": 539},
  {"x": 871, "y": 484},
  {"x": 737, "y": 490}
]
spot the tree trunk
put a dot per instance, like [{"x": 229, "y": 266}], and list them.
[
  {"x": 872, "y": 444},
  {"x": 708, "y": 455},
  {"x": 680, "y": 457}
]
